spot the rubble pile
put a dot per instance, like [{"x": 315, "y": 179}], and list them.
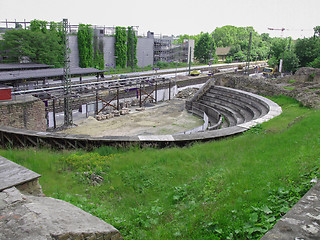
[
  {"x": 187, "y": 93},
  {"x": 304, "y": 85}
]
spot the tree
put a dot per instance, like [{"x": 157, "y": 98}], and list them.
[
  {"x": 238, "y": 39},
  {"x": 273, "y": 62},
  {"x": 277, "y": 49},
  {"x": 38, "y": 25},
  {"x": 307, "y": 50},
  {"x": 265, "y": 37},
  {"x": 317, "y": 31},
  {"x": 225, "y": 36},
  {"x": 290, "y": 61},
  {"x": 278, "y": 46},
  {"x": 186, "y": 36},
  {"x": 39, "y": 47},
  {"x": 204, "y": 48}
]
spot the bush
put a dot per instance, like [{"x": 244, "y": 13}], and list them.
[
  {"x": 315, "y": 63},
  {"x": 229, "y": 60}
]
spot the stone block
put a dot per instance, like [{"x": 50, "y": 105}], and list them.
[
  {"x": 32, "y": 217},
  {"x": 124, "y": 111},
  {"x": 116, "y": 113}
]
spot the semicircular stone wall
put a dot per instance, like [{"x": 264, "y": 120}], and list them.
[{"x": 229, "y": 111}]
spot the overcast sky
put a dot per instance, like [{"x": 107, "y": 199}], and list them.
[{"x": 174, "y": 17}]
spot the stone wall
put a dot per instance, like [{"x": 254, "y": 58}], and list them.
[{"x": 25, "y": 112}]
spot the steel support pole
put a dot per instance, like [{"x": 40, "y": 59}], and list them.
[
  {"x": 67, "y": 77},
  {"x": 118, "y": 103},
  {"x": 54, "y": 113},
  {"x": 156, "y": 91},
  {"x": 169, "y": 90},
  {"x": 97, "y": 106},
  {"x": 140, "y": 103},
  {"x": 190, "y": 61}
]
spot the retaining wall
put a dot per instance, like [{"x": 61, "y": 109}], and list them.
[{"x": 24, "y": 112}]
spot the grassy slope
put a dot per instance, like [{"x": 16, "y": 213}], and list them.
[{"x": 236, "y": 188}]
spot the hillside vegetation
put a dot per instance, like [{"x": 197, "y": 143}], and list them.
[{"x": 236, "y": 188}]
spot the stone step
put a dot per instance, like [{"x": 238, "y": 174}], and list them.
[
  {"x": 258, "y": 108},
  {"x": 229, "y": 114},
  {"x": 247, "y": 113},
  {"x": 245, "y": 97},
  {"x": 254, "y": 111}
]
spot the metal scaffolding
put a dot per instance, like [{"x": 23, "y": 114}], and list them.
[{"x": 67, "y": 77}]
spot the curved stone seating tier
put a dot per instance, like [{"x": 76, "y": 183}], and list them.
[
  {"x": 230, "y": 111},
  {"x": 236, "y": 106},
  {"x": 244, "y": 110},
  {"x": 251, "y": 110},
  {"x": 214, "y": 116},
  {"x": 243, "y": 97},
  {"x": 230, "y": 117}
]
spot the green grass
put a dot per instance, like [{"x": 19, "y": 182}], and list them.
[
  {"x": 236, "y": 188},
  {"x": 291, "y": 81},
  {"x": 289, "y": 88}
]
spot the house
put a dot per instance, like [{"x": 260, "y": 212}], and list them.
[{"x": 222, "y": 53}]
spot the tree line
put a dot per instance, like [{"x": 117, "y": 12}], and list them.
[
  {"x": 299, "y": 53},
  {"x": 45, "y": 45}
]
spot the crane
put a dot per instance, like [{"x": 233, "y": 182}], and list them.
[
  {"x": 291, "y": 29},
  {"x": 278, "y": 29}
]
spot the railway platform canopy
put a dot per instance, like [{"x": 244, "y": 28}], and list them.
[
  {"x": 13, "y": 78},
  {"x": 22, "y": 66}
]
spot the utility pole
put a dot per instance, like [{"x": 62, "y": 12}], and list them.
[
  {"x": 248, "y": 54},
  {"x": 190, "y": 61},
  {"x": 67, "y": 77}
]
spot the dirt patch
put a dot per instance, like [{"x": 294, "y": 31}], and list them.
[{"x": 163, "y": 118}]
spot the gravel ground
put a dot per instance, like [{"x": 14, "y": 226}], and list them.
[{"x": 162, "y": 118}]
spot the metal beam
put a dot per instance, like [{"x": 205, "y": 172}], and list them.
[{"x": 67, "y": 77}]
